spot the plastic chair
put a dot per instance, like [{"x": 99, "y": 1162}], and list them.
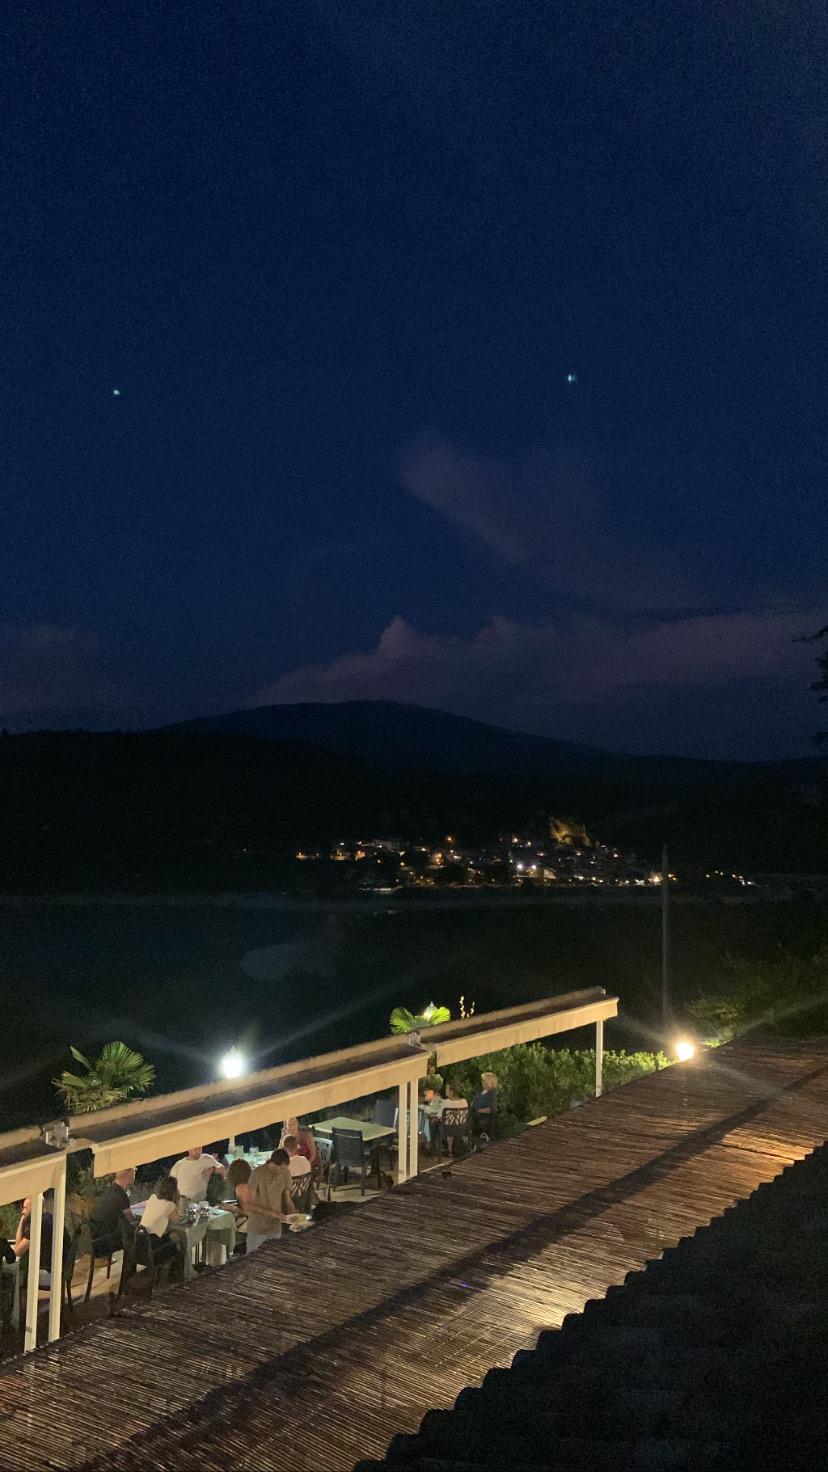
[
  {"x": 385, "y": 1113},
  {"x": 322, "y": 1171},
  {"x": 349, "y": 1149}
]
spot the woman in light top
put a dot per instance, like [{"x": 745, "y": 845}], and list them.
[
  {"x": 159, "y": 1212},
  {"x": 453, "y": 1100},
  {"x": 238, "y": 1175}
]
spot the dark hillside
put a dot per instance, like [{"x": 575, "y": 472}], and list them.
[
  {"x": 147, "y": 811},
  {"x": 394, "y": 736}
]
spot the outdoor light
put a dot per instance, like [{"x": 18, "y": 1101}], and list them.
[
  {"x": 685, "y": 1050},
  {"x": 233, "y": 1064}
]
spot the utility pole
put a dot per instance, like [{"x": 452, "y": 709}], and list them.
[{"x": 666, "y": 1002}]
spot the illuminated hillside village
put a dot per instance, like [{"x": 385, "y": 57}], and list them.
[{"x": 566, "y": 857}]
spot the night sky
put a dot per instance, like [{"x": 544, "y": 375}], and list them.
[{"x": 340, "y": 260}]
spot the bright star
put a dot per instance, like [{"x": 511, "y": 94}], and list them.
[
  {"x": 571, "y": 378},
  {"x": 116, "y": 393}
]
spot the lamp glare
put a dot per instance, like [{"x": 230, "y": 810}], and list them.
[{"x": 233, "y": 1065}]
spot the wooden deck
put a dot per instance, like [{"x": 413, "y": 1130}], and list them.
[{"x": 314, "y": 1352}]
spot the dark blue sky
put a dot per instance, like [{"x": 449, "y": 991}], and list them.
[{"x": 338, "y": 258}]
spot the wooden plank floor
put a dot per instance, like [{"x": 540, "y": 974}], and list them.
[{"x": 317, "y": 1350}]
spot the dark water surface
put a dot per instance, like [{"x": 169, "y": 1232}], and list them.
[{"x": 183, "y": 983}]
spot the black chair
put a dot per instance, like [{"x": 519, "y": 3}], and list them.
[
  {"x": 127, "y": 1249},
  {"x": 7, "y": 1291},
  {"x": 322, "y": 1170},
  {"x": 70, "y": 1253},
  {"x": 385, "y": 1113},
  {"x": 349, "y": 1149},
  {"x": 455, "y": 1124},
  {"x": 144, "y": 1257}
]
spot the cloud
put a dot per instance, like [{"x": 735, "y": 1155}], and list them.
[
  {"x": 565, "y": 514},
  {"x": 574, "y": 678},
  {"x": 53, "y": 675}
]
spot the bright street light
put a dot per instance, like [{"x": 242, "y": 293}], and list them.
[
  {"x": 233, "y": 1064},
  {"x": 685, "y": 1050}
]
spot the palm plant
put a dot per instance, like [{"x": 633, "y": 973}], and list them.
[
  {"x": 116, "y": 1074},
  {"x": 401, "y": 1020}
]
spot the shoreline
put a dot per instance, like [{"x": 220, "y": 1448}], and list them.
[{"x": 373, "y": 904}]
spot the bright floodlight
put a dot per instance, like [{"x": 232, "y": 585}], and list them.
[
  {"x": 233, "y": 1064},
  {"x": 685, "y": 1050}
]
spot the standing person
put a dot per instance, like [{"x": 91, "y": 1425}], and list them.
[
  {"x": 238, "y": 1177},
  {"x": 484, "y": 1104},
  {"x": 111, "y": 1207},
  {"x": 193, "y": 1171},
  {"x": 159, "y": 1212},
  {"x": 268, "y": 1200}
]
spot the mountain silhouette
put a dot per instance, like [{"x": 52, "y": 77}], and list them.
[{"x": 393, "y": 736}]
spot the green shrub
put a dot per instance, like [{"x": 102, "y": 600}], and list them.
[
  {"x": 786, "y": 993},
  {"x": 9, "y": 1217},
  {"x": 535, "y": 1080}
]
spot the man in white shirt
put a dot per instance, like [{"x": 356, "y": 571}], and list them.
[
  {"x": 193, "y": 1171},
  {"x": 299, "y": 1166}
]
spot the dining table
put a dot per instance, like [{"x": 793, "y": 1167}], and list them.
[
  {"x": 371, "y": 1133},
  {"x": 216, "y": 1232}
]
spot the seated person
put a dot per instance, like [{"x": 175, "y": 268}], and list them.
[
  {"x": 22, "y": 1238},
  {"x": 269, "y": 1200},
  {"x": 111, "y": 1207},
  {"x": 193, "y": 1171},
  {"x": 305, "y": 1143},
  {"x": 238, "y": 1175},
  {"x": 431, "y": 1104},
  {"x": 7, "y": 1253},
  {"x": 298, "y": 1164},
  {"x": 308, "y": 1146},
  {"x": 160, "y": 1210},
  {"x": 484, "y": 1104},
  {"x": 453, "y": 1100}
]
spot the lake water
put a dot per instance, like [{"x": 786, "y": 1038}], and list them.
[{"x": 182, "y": 983}]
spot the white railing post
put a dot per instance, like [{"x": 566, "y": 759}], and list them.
[
  {"x": 33, "y": 1281},
  {"x": 58, "y": 1220},
  {"x": 402, "y": 1132},
  {"x": 599, "y": 1058},
  {"x": 413, "y": 1127}
]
